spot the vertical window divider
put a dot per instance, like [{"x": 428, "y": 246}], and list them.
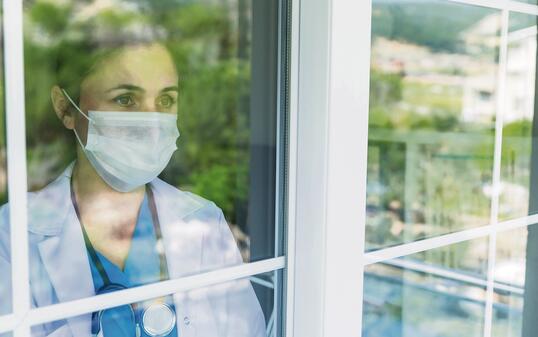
[
  {"x": 16, "y": 160},
  {"x": 330, "y": 118},
  {"x": 496, "y": 176},
  {"x": 277, "y": 320},
  {"x": 347, "y": 158},
  {"x": 329, "y": 121},
  {"x": 290, "y": 216},
  {"x": 308, "y": 163}
]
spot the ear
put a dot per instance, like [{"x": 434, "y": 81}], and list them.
[{"x": 62, "y": 107}]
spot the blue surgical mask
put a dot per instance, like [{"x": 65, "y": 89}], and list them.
[{"x": 128, "y": 149}]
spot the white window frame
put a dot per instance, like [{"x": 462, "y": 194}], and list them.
[
  {"x": 329, "y": 111},
  {"x": 16, "y": 162}
]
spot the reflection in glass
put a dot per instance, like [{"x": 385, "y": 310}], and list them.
[
  {"x": 432, "y": 112},
  {"x": 427, "y": 297},
  {"x": 514, "y": 307},
  {"x": 507, "y": 313},
  {"x": 110, "y": 85},
  {"x": 516, "y": 275},
  {"x": 226, "y": 102},
  {"x": 517, "y": 116},
  {"x": 509, "y": 283}
]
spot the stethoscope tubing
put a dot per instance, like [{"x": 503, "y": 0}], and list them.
[{"x": 108, "y": 286}]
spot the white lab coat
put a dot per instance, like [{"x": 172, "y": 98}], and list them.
[{"x": 196, "y": 238}]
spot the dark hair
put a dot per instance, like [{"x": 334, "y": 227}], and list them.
[
  {"x": 85, "y": 43},
  {"x": 63, "y": 43}
]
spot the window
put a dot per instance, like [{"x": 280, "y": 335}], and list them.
[
  {"x": 352, "y": 167},
  {"x": 106, "y": 88},
  {"x": 432, "y": 116},
  {"x": 450, "y": 206}
]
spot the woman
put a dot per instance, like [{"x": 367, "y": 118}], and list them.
[{"x": 108, "y": 223}]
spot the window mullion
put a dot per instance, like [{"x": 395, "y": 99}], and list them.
[
  {"x": 91, "y": 304},
  {"x": 16, "y": 158},
  {"x": 496, "y": 174},
  {"x": 290, "y": 216},
  {"x": 347, "y": 147}
]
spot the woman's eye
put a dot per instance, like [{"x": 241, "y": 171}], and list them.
[
  {"x": 166, "y": 101},
  {"x": 125, "y": 100}
]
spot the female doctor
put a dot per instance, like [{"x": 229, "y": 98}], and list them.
[{"x": 108, "y": 223}]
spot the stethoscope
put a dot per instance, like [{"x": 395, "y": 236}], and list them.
[{"x": 156, "y": 319}]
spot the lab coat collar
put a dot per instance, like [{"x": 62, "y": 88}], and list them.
[{"x": 50, "y": 207}]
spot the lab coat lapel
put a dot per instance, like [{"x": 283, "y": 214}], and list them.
[
  {"x": 182, "y": 245},
  {"x": 182, "y": 239},
  {"x": 65, "y": 259}
]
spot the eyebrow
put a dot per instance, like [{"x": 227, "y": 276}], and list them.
[
  {"x": 137, "y": 88},
  {"x": 172, "y": 88},
  {"x": 128, "y": 87}
]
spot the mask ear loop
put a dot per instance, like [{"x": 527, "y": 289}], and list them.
[{"x": 83, "y": 114}]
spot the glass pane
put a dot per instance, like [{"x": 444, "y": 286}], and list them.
[
  {"x": 439, "y": 295},
  {"x": 510, "y": 266},
  {"x": 111, "y": 89},
  {"x": 507, "y": 313},
  {"x": 432, "y": 113},
  {"x": 518, "y": 117},
  {"x": 516, "y": 274},
  {"x": 227, "y": 309}
]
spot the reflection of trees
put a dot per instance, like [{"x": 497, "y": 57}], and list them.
[
  {"x": 434, "y": 24},
  {"x": 213, "y": 63},
  {"x": 450, "y": 160},
  {"x": 435, "y": 148},
  {"x": 427, "y": 169},
  {"x": 434, "y": 176}
]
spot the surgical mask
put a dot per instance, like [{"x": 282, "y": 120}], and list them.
[{"x": 128, "y": 149}]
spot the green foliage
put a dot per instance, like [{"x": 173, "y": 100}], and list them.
[
  {"x": 214, "y": 134},
  {"x": 434, "y": 24},
  {"x": 52, "y": 18},
  {"x": 516, "y": 152},
  {"x": 385, "y": 88},
  {"x": 442, "y": 104},
  {"x": 518, "y": 128}
]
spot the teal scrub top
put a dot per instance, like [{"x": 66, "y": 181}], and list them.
[{"x": 142, "y": 266}]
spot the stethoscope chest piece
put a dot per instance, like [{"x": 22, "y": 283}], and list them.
[{"x": 158, "y": 320}]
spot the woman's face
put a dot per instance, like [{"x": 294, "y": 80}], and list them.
[{"x": 136, "y": 78}]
